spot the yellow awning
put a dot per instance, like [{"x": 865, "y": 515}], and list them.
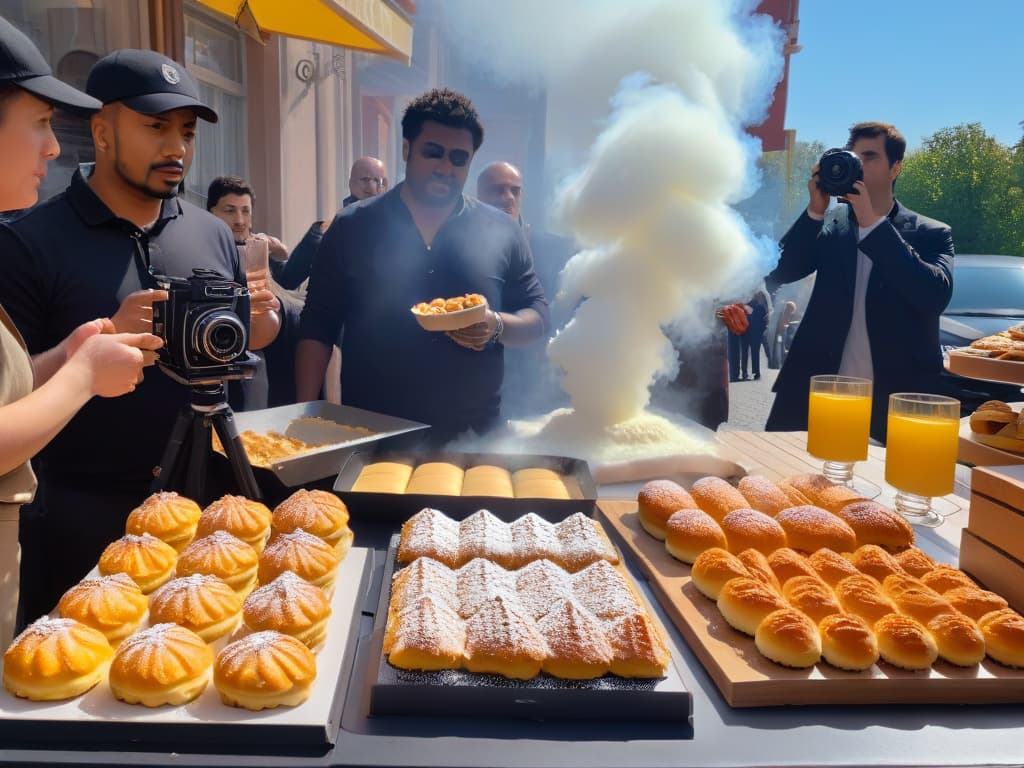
[{"x": 364, "y": 25}]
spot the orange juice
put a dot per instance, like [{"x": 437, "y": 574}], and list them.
[
  {"x": 838, "y": 426},
  {"x": 920, "y": 455}
]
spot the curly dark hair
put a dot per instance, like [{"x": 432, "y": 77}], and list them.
[
  {"x": 444, "y": 106},
  {"x": 228, "y": 185}
]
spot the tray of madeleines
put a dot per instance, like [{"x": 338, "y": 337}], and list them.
[
  {"x": 398, "y": 484},
  {"x": 999, "y": 357},
  {"x": 226, "y": 625},
  {"x": 528, "y": 619},
  {"x": 799, "y": 592}
]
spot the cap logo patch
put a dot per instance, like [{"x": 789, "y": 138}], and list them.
[{"x": 170, "y": 74}]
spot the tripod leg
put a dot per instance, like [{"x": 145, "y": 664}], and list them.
[
  {"x": 173, "y": 451},
  {"x": 195, "y": 477},
  {"x": 224, "y": 423}
]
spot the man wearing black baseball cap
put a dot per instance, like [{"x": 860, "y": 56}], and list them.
[{"x": 92, "y": 251}]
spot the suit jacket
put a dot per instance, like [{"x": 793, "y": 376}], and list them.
[{"x": 910, "y": 284}]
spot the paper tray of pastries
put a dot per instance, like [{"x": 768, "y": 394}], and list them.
[
  {"x": 329, "y": 430},
  {"x": 461, "y": 693},
  {"x": 395, "y": 485},
  {"x": 974, "y": 364},
  {"x": 97, "y": 718}
]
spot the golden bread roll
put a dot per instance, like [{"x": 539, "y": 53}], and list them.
[
  {"x": 863, "y": 596},
  {"x": 712, "y": 568},
  {"x": 991, "y": 416},
  {"x": 488, "y": 480},
  {"x": 789, "y": 638},
  {"x": 289, "y": 605},
  {"x": 583, "y": 542},
  {"x": 717, "y": 497},
  {"x": 572, "y": 487},
  {"x": 427, "y": 635},
  {"x": 112, "y": 604},
  {"x": 847, "y": 642},
  {"x": 904, "y": 642},
  {"x": 243, "y": 518},
  {"x": 974, "y": 602},
  {"x": 943, "y": 578},
  {"x": 811, "y": 596},
  {"x": 875, "y": 562},
  {"x": 638, "y": 648},
  {"x": 796, "y": 498},
  {"x": 657, "y": 501},
  {"x": 744, "y": 603},
  {"x": 222, "y": 555},
  {"x": 429, "y": 533},
  {"x": 917, "y": 601},
  {"x": 958, "y": 639},
  {"x": 750, "y": 529},
  {"x": 689, "y": 532},
  {"x": 577, "y": 646},
  {"x": 835, "y": 497},
  {"x": 787, "y": 564},
  {"x": 383, "y": 477},
  {"x": 502, "y": 639},
  {"x": 55, "y": 659},
  {"x": 874, "y": 524},
  {"x": 538, "y": 483},
  {"x": 163, "y": 664},
  {"x": 809, "y": 528},
  {"x": 317, "y": 512},
  {"x": 202, "y": 603},
  {"x": 915, "y": 562},
  {"x": 831, "y": 566},
  {"x": 760, "y": 569},
  {"x": 1004, "y": 636},
  {"x": 534, "y": 538},
  {"x": 822, "y": 492},
  {"x": 436, "y": 478},
  {"x": 308, "y": 557},
  {"x": 166, "y": 515},
  {"x": 149, "y": 561},
  {"x": 264, "y": 670},
  {"x": 763, "y": 495}
]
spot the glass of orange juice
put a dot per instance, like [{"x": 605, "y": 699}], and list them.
[
  {"x": 920, "y": 452},
  {"x": 838, "y": 427}
]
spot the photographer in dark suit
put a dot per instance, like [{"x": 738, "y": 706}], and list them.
[{"x": 883, "y": 278}]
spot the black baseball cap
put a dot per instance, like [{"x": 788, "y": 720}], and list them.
[
  {"x": 23, "y": 65},
  {"x": 146, "y": 82}
]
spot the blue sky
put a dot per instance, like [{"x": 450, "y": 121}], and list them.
[{"x": 922, "y": 65}]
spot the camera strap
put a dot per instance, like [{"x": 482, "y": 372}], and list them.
[{"x": 142, "y": 259}]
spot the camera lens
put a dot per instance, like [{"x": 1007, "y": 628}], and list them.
[
  {"x": 838, "y": 169},
  {"x": 220, "y": 336}
]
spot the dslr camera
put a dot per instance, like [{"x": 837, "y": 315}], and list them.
[
  {"x": 838, "y": 169},
  {"x": 205, "y": 327}
]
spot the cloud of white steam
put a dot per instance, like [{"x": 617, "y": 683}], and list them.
[{"x": 660, "y": 91}]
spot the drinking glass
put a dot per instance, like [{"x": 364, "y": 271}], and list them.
[
  {"x": 838, "y": 428},
  {"x": 920, "y": 453},
  {"x": 256, "y": 262}
]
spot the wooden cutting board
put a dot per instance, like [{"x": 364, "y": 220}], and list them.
[{"x": 745, "y": 678}]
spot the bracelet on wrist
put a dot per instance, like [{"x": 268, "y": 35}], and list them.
[{"x": 499, "y": 328}]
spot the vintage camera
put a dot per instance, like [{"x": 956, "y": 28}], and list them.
[
  {"x": 205, "y": 328},
  {"x": 838, "y": 170}
]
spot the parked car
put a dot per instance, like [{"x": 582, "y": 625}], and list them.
[{"x": 988, "y": 297}]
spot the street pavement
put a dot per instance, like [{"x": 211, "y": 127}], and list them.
[{"x": 750, "y": 401}]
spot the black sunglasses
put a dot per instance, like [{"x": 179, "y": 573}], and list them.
[{"x": 432, "y": 151}]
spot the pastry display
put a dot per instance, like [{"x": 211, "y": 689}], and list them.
[
  {"x": 689, "y": 532},
  {"x": 202, "y": 603},
  {"x": 444, "y": 478},
  {"x": 289, "y": 605},
  {"x": 997, "y": 424},
  {"x": 166, "y": 515},
  {"x": 164, "y": 664},
  {"x": 264, "y": 670},
  {"x": 222, "y": 555},
  {"x": 1005, "y": 345},
  {"x": 442, "y": 306},
  {"x": 657, "y": 501},
  {"x": 55, "y": 659},
  {"x": 309, "y": 557},
  {"x": 112, "y": 604},
  {"x": 320, "y": 513},
  {"x": 243, "y": 518},
  {"x": 148, "y": 560}
]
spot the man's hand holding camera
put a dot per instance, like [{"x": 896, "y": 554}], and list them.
[
  {"x": 860, "y": 201},
  {"x": 135, "y": 315},
  {"x": 819, "y": 198}
]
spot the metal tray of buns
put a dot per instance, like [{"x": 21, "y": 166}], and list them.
[
  {"x": 397, "y": 507},
  {"x": 460, "y": 693}
]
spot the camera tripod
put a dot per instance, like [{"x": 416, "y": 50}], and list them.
[{"x": 183, "y": 464}]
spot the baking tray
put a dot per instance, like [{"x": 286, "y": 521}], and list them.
[
  {"x": 460, "y": 693},
  {"x": 397, "y": 507},
  {"x": 98, "y": 719},
  {"x": 325, "y": 461}
]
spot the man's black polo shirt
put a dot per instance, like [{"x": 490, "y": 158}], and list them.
[
  {"x": 71, "y": 260},
  {"x": 373, "y": 266}
]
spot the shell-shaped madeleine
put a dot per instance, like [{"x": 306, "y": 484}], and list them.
[
  {"x": 51, "y": 649},
  {"x": 266, "y": 661},
  {"x": 288, "y": 604},
  {"x": 244, "y": 518},
  {"x": 163, "y": 654},
  {"x": 146, "y": 559},
  {"x": 306, "y": 555},
  {"x": 197, "y": 602},
  {"x": 317, "y": 512},
  {"x": 219, "y": 554},
  {"x": 112, "y": 604},
  {"x": 165, "y": 515}
]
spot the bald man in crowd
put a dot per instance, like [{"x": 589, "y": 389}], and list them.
[{"x": 366, "y": 179}]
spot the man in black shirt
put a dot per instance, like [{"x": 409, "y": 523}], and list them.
[{"x": 422, "y": 240}]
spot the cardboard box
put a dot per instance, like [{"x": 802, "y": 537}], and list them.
[
  {"x": 1004, "y": 484},
  {"x": 997, "y": 524},
  {"x": 997, "y": 570}
]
